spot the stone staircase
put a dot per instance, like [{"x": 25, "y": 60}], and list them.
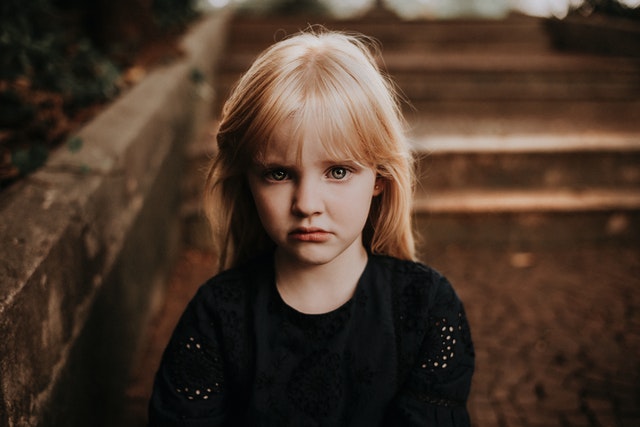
[{"x": 517, "y": 144}]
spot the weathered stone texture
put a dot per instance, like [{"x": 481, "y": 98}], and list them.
[{"x": 85, "y": 241}]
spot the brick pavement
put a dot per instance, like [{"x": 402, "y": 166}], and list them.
[{"x": 557, "y": 333}]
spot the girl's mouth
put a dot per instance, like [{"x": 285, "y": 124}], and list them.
[{"x": 314, "y": 235}]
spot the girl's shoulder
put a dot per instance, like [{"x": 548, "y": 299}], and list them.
[
  {"x": 232, "y": 285},
  {"x": 408, "y": 272},
  {"x": 401, "y": 264},
  {"x": 415, "y": 284},
  {"x": 430, "y": 318}
]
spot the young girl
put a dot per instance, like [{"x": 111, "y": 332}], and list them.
[{"x": 323, "y": 317}]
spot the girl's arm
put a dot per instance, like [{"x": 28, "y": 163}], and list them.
[
  {"x": 437, "y": 387},
  {"x": 189, "y": 388}
]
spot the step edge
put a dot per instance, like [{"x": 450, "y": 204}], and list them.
[
  {"x": 532, "y": 201},
  {"x": 524, "y": 143}
]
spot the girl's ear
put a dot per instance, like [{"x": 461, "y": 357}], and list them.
[{"x": 378, "y": 187}]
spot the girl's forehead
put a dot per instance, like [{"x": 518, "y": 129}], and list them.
[
  {"x": 293, "y": 149},
  {"x": 290, "y": 141}
]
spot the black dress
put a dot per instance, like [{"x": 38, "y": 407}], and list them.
[{"x": 399, "y": 353}]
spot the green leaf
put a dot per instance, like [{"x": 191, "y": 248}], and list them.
[
  {"x": 29, "y": 159},
  {"x": 74, "y": 144},
  {"x": 197, "y": 76}
]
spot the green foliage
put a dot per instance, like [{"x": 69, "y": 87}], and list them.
[
  {"x": 35, "y": 45},
  {"x": 299, "y": 6},
  {"x": 610, "y": 7},
  {"x": 284, "y": 7},
  {"x": 196, "y": 75},
  {"x": 27, "y": 33},
  {"x": 52, "y": 74},
  {"x": 28, "y": 159},
  {"x": 74, "y": 144},
  {"x": 48, "y": 71},
  {"x": 87, "y": 76},
  {"x": 170, "y": 14},
  {"x": 13, "y": 111}
]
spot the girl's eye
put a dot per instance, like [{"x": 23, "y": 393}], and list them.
[
  {"x": 338, "y": 172},
  {"x": 277, "y": 175}
]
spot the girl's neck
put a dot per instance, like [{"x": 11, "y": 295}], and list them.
[{"x": 318, "y": 289}]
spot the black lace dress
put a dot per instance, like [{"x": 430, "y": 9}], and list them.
[{"x": 399, "y": 353}]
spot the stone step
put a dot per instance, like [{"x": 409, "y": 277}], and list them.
[
  {"x": 494, "y": 86},
  {"x": 490, "y": 76},
  {"x": 535, "y": 118},
  {"x": 497, "y": 77},
  {"x": 431, "y": 67},
  {"x": 527, "y": 220},
  {"x": 481, "y": 60},
  {"x": 528, "y": 190},
  {"x": 528, "y": 162},
  {"x": 253, "y": 34},
  {"x": 482, "y": 201}
]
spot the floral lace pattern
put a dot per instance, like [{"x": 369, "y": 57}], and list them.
[
  {"x": 445, "y": 339},
  {"x": 316, "y": 385},
  {"x": 196, "y": 369}
]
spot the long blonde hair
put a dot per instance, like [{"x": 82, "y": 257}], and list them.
[{"x": 328, "y": 83}]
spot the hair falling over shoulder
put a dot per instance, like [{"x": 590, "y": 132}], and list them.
[{"x": 330, "y": 85}]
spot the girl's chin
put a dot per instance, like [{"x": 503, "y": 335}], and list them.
[
  {"x": 309, "y": 256},
  {"x": 316, "y": 254}
]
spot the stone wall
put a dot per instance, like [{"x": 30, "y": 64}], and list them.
[{"x": 86, "y": 241}]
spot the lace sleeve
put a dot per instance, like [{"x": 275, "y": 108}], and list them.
[
  {"x": 189, "y": 387},
  {"x": 438, "y": 385}
]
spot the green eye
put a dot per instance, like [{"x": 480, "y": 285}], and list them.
[
  {"x": 277, "y": 175},
  {"x": 338, "y": 173}
]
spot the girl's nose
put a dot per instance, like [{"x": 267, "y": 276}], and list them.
[{"x": 307, "y": 200}]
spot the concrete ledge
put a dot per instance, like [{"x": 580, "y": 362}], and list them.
[{"x": 86, "y": 239}]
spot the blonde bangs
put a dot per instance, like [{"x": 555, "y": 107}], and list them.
[{"x": 323, "y": 99}]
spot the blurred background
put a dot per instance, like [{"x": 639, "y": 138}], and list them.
[{"x": 524, "y": 118}]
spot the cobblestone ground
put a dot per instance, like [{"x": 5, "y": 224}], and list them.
[{"x": 557, "y": 333}]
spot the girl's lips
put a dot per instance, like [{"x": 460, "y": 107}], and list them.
[{"x": 316, "y": 235}]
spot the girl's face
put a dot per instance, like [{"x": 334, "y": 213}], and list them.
[{"x": 312, "y": 205}]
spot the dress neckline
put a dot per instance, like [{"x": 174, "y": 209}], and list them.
[{"x": 326, "y": 315}]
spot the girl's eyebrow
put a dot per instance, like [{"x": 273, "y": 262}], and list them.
[
  {"x": 272, "y": 164},
  {"x": 345, "y": 162},
  {"x": 293, "y": 166},
  {"x": 275, "y": 161}
]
